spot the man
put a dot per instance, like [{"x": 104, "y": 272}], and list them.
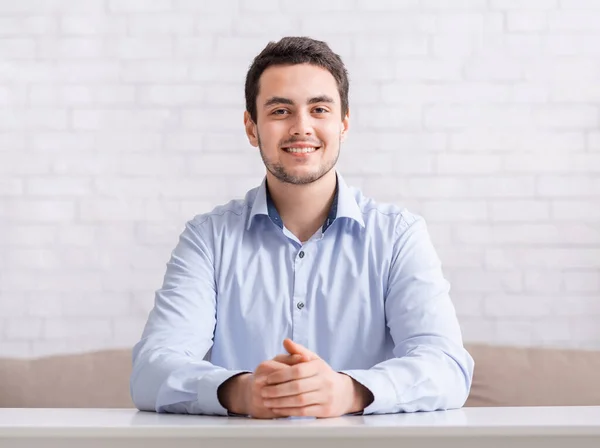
[{"x": 352, "y": 290}]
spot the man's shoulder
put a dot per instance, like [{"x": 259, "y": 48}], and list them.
[
  {"x": 380, "y": 214},
  {"x": 232, "y": 212}
]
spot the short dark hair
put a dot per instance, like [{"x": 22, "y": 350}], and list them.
[{"x": 292, "y": 51}]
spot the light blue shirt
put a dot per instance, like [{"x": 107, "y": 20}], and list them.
[{"x": 366, "y": 293}]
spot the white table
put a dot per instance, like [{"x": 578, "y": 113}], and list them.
[{"x": 549, "y": 427}]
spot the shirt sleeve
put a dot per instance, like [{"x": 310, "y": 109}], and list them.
[
  {"x": 430, "y": 370},
  {"x": 170, "y": 373}
]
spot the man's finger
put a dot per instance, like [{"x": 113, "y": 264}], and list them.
[
  {"x": 294, "y": 401},
  {"x": 297, "y": 349},
  {"x": 269, "y": 366},
  {"x": 289, "y": 360},
  {"x": 292, "y": 388},
  {"x": 297, "y": 372}
]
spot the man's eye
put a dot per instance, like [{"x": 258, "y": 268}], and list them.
[
  {"x": 279, "y": 112},
  {"x": 320, "y": 110}
]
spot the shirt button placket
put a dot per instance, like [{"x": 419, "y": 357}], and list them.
[{"x": 299, "y": 314}]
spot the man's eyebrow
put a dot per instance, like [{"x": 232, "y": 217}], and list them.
[
  {"x": 278, "y": 100},
  {"x": 314, "y": 100},
  {"x": 321, "y": 99}
]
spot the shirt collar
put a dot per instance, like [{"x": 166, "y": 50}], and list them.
[{"x": 344, "y": 205}]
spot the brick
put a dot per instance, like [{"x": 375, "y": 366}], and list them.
[
  {"x": 26, "y": 328},
  {"x": 575, "y": 210},
  {"x": 500, "y": 234},
  {"x": 11, "y": 304},
  {"x": 70, "y": 48},
  {"x": 41, "y": 211},
  {"x": 568, "y": 186},
  {"x": 126, "y": 119},
  {"x": 140, "y": 5},
  {"x": 10, "y": 186},
  {"x": 376, "y": 46},
  {"x": 549, "y": 282},
  {"x": 500, "y": 69},
  {"x": 465, "y": 93},
  {"x": 582, "y": 92},
  {"x": 95, "y": 24},
  {"x": 428, "y": 70},
  {"x": 469, "y": 22},
  {"x": 193, "y": 47},
  {"x": 531, "y": 4},
  {"x": 19, "y": 350},
  {"x": 465, "y": 117},
  {"x": 480, "y": 280},
  {"x": 247, "y": 163},
  {"x": 138, "y": 48},
  {"x": 168, "y": 24},
  {"x": 204, "y": 119},
  {"x": 477, "y": 329},
  {"x": 17, "y": 48},
  {"x": 27, "y": 235},
  {"x": 12, "y": 142},
  {"x": 526, "y": 21},
  {"x": 538, "y": 163},
  {"x": 519, "y": 211},
  {"x": 34, "y": 258},
  {"x": 265, "y": 23},
  {"x": 526, "y": 141},
  {"x": 592, "y": 142},
  {"x": 582, "y": 282},
  {"x": 543, "y": 258},
  {"x": 46, "y": 305},
  {"x": 574, "y": 117},
  {"x": 389, "y": 118},
  {"x": 518, "y": 305},
  {"x": 463, "y": 257},
  {"x": 206, "y": 6},
  {"x": 27, "y": 26},
  {"x": 569, "y": 45},
  {"x": 467, "y": 163},
  {"x": 172, "y": 95},
  {"x": 452, "y": 211},
  {"x": 514, "y": 331},
  {"x": 51, "y": 186},
  {"x": 578, "y": 21},
  {"x": 78, "y": 327}
]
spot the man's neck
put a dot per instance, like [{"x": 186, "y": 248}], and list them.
[{"x": 303, "y": 208}]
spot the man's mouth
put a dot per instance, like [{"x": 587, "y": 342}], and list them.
[{"x": 301, "y": 150}]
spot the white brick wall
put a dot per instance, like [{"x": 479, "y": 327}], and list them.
[{"x": 121, "y": 119}]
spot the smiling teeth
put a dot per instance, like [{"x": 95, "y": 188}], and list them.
[{"x": 301, "y": 150}]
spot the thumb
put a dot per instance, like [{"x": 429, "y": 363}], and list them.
[{"x": 296, "y": 349}]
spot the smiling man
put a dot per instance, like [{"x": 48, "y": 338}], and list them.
[{"x": 305, "y": 298}]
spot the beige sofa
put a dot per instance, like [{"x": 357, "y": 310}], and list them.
[{"x": 504, "y": 376}]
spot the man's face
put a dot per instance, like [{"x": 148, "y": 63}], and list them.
[{"x": 299, "y": 125}]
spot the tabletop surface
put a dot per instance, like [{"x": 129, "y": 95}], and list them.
[{"x": 27, "y": 422}]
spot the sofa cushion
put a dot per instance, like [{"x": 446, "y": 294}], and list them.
[
  {"x": 97, "y": 380},
  {"x": 504, "y": 376},
  {"x": 514, "y": 376}
]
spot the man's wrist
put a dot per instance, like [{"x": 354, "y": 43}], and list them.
[
  {"x": 361, "y": 396},
  {"x": 232, "y": 394}
]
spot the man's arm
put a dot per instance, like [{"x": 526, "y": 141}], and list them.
[
  {"x": 430, "y": 370},
  {"x": 169, "y": 371}
]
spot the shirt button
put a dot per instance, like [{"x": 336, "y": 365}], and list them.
[
  {"x": 300, "y": 305},
  {"x": 301, "y": 254}
]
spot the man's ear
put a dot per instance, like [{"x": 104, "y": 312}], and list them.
[
  {"x": 345, "y": 126},
  {"x": 251, "y": 130}
]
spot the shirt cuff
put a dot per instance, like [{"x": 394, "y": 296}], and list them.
[
  {"x": 207, "y": 391},
  {"x": 384, "y": 395}
]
